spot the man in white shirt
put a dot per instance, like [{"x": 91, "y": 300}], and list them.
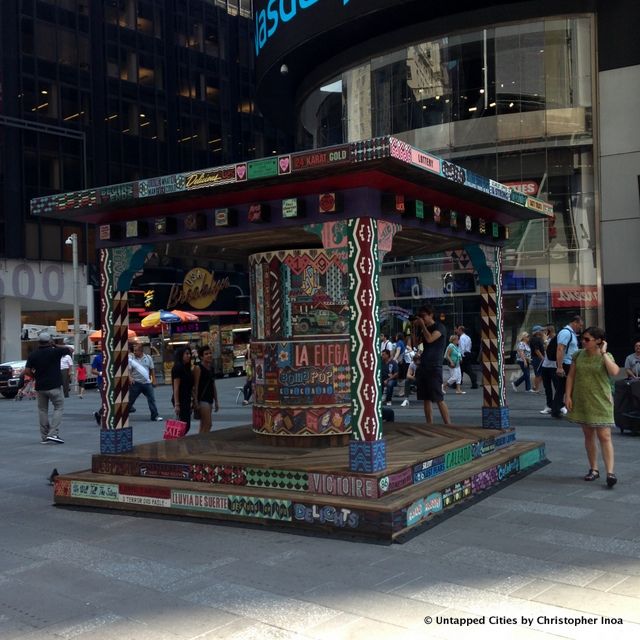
[
  {"x": 143, "y": 379},
  {"x": 466, "y": 366},
  {"x": 66, "y": 367},
  {"x": 385, "y": 343}
]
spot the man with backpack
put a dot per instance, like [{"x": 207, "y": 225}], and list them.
[{"x": 567, "y": 345}]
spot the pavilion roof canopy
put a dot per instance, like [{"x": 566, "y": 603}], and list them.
[{"x": 365, "y": 173}]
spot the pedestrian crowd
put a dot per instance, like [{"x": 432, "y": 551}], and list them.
[{"x": 49, "y": 372}]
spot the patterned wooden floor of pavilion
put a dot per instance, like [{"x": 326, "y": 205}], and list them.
[{"x": 230, "y": 475}]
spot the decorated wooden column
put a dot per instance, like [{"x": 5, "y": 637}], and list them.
[
  {"x": 367, "y": 449},
  {"x": 495, "y": 412},
  {"x": 118, "y": 266}
]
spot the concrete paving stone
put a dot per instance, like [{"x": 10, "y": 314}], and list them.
[
  {"x": 600, "y": 543},
  {"x": 306, "y": 574},
  {"x": 510, "y": 563},
  {"x": 606, "y": 581},
  {"x": 259, "y": 631},
  {"x": 535, "y": 587},
  {"x": 180, "y": 619},
  {"x": 379, "y": 607},
  {"x": 81, "y": 584},
  {"x": 122, "y": 630},
  {"x": 269, "y": 608},
  {"x": 111, "y": 564},
  {"x": 503, "y": 538},
  {"x": 462, "y": 572},
  {"x": 597, "y": 602},
  {"x": 12, "y": 559},
  {"x": 90, "y": 626},
  {"x": 561, "y": 511},
  {"x": 630, "y": 586},
  {"x": 358, "y": 628},
  {"x": 283, "y": 557},
  {"x": 53, "y": 604},
  {"x": 615, "y": 563}
]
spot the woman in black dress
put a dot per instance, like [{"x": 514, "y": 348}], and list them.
[
  {"x": 205, "y": 385},
  {"x": 182, "y": 383}
]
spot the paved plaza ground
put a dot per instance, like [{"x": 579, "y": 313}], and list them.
[{"x": 547, "y": 556}]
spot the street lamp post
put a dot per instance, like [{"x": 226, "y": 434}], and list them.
[{"x": 73, "y": 241}]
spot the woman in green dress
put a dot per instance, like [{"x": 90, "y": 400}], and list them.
[{"x": 589, "y": 402}]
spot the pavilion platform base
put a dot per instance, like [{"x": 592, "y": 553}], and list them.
[{"x": 231, "y": 475}]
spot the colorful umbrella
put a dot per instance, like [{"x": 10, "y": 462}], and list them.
[
  {"x": 157, "y": 317},
  {"x": 97, "y": 335},
  {"x": 185, "y": 316}
]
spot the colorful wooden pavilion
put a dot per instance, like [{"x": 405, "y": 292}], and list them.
[{"x": 296, "y": 217}]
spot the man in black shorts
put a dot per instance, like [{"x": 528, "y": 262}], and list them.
[{"x": 429, "y": 372}]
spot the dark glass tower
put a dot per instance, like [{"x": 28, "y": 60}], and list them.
[{"x": 96, "y": 92}]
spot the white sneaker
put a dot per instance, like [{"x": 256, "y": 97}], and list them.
[
  {"x": 546, "y": 411},
  {"x": 405, "y": 403},
  {"x": 388, "y": 404},
  {"x": 564, "y": 411},
  {"x": 513, "y": 386}
]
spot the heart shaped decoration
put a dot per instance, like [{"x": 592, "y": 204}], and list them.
[
  {"x": 285, "y": 164},
  {"x": 241, "y": 171}
]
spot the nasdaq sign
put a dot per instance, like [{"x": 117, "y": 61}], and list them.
[{"x": 277, "y": 13}]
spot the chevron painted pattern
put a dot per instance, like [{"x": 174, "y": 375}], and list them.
[
  {"x": 275, "y": 295},
  {"x": 495, "y": 413},
  {"x": 115, "y": 326},
  {"x": 363, "y": 328}
]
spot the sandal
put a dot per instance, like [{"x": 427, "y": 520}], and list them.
[
  {"x": 593, "y": 474},
  {"x": 611, "y": 480}
]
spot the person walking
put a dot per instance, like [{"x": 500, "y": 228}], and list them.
[
  {"x": 548, "y": 368},
  {"x": 183, "y": 398},
  {"x": 466, "y": 364},
  {"x": 398, "y": 355},
  {"x": 388, "y": 376},
  {"x": 81, "y": 377},
  {"x": 247, "y": 389},
  {"x": 589, "y": 402},
  {"x": 143, "y": 380},
  {"x": 66, "y": 369},
  {"x": 567, "y": 345},
  {"x": 43, "y": 364},
  {"x": 205, "y": 385},
  {"x": 431, "y": 335},
  {"x": 523, "y": 358},
  {"x": 453, "y": 356},
  {"x": 536, "y": 344},
  {"x": 96, "y": 369},
  {"x": 410, "y": 380}
]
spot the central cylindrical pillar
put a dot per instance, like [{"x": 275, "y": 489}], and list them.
[{"x": 300, "y": 346}]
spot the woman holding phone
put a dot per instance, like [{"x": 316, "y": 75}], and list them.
[{"x": 589, "y": 402}]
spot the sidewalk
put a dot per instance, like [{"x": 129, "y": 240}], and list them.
[{"x": 550, "y": 547}]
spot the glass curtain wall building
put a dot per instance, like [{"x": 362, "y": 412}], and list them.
[{"x": 513, "y": 102}]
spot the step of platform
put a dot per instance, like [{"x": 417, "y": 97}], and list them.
[{"x": 413, "y": 492}]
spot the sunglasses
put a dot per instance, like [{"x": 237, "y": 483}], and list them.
[{"x": 588, "y": 339}]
